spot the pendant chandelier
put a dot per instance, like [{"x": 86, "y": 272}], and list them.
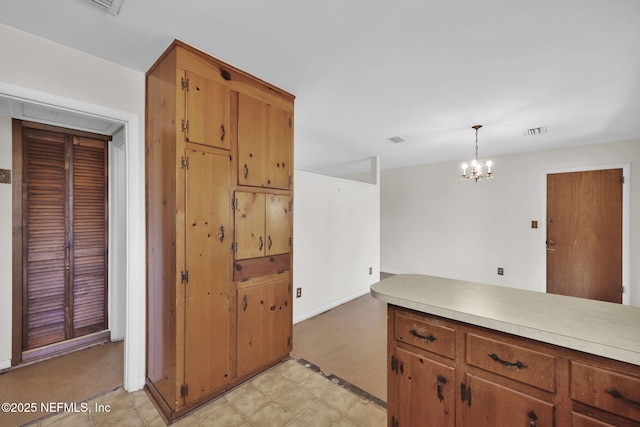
[{"x": 475, "y": 168}]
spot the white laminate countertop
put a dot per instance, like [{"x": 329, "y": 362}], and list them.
[{"x": 600, "y": 328}]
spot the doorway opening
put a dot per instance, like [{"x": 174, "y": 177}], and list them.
[
  {"x": 127, "y": 152},
  {"x": 63, "y": 216},
  {"x": 566, "y": 268}
]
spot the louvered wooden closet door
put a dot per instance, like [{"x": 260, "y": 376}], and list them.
[
  {"x": 45, "y": 239},
  {"x": 89, "y": 236},
  {"x": 65, "y": 231}
]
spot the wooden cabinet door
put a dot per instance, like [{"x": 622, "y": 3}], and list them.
[
  {"x": 488, "y": 404},
  {"x": 279, "y": 148},
  {"x": 208, "y": 264},
  {"x": 249, "y": 225},
  {"x": 279, "y": 317},
  {"x": 424, "y": 391},
  {"x": 265, "y": 141},
  {"x": 253, "y": 139},
  {"x": 278, "y": 224},
  {"x": 251, "y": 303},
  {"x": 264, "y": 322},
  {"x": 208, "y": 112}
]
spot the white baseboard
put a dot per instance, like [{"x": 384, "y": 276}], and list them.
[
  {"x": 329, "y": 306},
  {"x": 5, "y": 364},
  {"x": 385, "y": 270}
]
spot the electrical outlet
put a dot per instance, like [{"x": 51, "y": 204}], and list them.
[
  {"x": 500, "y": 271},
  {"x": 534, "y": 224},
  {"x": 5, "y": 176},
  {"x": 298, "y": 292}
]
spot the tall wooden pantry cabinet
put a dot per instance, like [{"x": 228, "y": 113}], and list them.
[{"x": 219, "y": 197}]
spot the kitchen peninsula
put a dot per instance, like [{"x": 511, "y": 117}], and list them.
[{"x": 464, "y": 353}]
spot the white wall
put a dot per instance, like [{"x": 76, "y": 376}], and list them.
[
  {"x": 45, "y": 73},
  {"x": 432, "y": 223},
  {"x": 336, "y": 226}
]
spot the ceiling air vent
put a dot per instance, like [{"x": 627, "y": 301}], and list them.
[
  {"x": 536, "y": 131},
  {"x": 395, "y": 139},
  {"x": 112, "y": 6}
]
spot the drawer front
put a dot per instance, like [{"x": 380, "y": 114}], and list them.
[
  {"x": 426, "y": 335},
  {"x": 508, "y": 360},
  {"x": 609, "y": 391},
  {"x": 580, "y": 420}
]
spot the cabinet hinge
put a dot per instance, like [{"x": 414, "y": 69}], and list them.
[
  {"x": 185, "y": 163},
  {"x": 622, "y": 180},
  {"x": 465, "y": 394},
  {"x": 185, "y": 125},
  {"x": 184, "y": 390},
  {"x": 290, "y": 180},
  {"x": 234, "y": 204},
  {"x": 234, "y": 247},
  {"x": 290, "y": 241},
  {"x": 289, "y": 340},
  {"x": 290, "y": 122},
  {"x": 185, "y": 84},
  {"x": 184, "y": 276}
]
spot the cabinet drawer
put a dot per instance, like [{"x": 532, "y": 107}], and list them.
[
  {"x": 610, "y": 391},
  {"x": 511, "y": 361},
  {"x": 426, "y": 335},
  {"x": 580, "y": 420}
]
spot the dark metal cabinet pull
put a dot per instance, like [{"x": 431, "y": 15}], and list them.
[
  {"x": 441, "y": 381},
  {"x": 223, "y": 132},
  {"x": 221, "y": 233},
  {"x": 617, "y": 395},
  {"x": 245, "y": 302},
  {"x": 429, "y": 338},
  {"x": 270, "y": 241},
  {"x": 246, "y": 171},
  {"x": 465, "y": 394},
  {"x": 517, "y": 364},
  {"x": 532, "y": 418},
  {"x": 261, "y": 240}
]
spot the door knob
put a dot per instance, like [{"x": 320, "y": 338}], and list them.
[{"x": 551, "y": 242}]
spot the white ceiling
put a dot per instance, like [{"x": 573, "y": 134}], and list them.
[{"x": 366, "y": 70}]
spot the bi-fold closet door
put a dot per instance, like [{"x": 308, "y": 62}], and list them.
[{"x": 65, "y": 237}]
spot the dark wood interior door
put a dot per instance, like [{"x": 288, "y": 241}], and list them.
[
  {"x": 584, "y": 234},
  {"x": 65, "y": 237}
]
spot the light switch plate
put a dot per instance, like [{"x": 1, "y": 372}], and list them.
[{"x": 5, "y": 176}]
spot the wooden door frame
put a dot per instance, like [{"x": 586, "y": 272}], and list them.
[{"x": 626, "y": 222}]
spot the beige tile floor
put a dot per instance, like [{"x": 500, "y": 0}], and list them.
[{"x": 290, "y": 394}]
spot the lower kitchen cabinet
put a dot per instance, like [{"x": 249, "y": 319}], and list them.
[
  {"x": 264, "y": 321},
  {"x": 485, "y": 403},
  {"x": 424, "y": 390},
  {"x": 444, "y": 373}
]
